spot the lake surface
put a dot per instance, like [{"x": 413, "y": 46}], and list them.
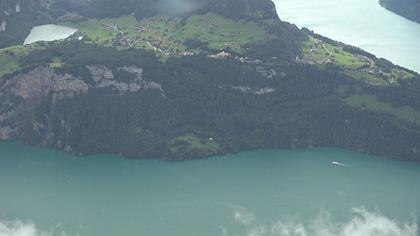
[
  {"x": 264, "y": 193},
  {"x": 362, "y": 23},
  {"x": 48, "y": 33}
]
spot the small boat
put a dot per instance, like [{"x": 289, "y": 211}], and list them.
[{"x": 337, "y": 163}]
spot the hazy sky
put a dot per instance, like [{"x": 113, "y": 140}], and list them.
[{"x": 177, "y": 7}]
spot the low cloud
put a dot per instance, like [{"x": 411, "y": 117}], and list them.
[
  {"x": 19, "y": 228},
  {"x": 178, "y": 7}
]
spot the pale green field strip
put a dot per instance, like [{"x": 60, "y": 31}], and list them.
[{"x": 370, "y": 102}]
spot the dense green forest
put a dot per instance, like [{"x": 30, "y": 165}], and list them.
[
  {"x": 408, "y": 8},
  {"x": 202, "y": 106},
  {"x": 212, "y": 78}
]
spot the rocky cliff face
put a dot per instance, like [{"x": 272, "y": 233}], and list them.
[
  {"x": 8, "y": 9},
  {"x": 17, "y": 17},
  {"x": 28, "y": 100},
  {"x": 23, "y": 96},
  {"x": 104, "y": 78}
]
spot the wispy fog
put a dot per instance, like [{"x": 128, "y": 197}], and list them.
[
  {"x": 178, "y": 7},
  {"x": 361, "y": 223},
  {"x": 19, "y": 228}
]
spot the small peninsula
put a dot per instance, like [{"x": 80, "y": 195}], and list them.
[{"x": 409, "y": 9}]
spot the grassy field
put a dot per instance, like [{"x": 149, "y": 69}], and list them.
[
  {"x": 317, "y": 51},
  {"x": 162, "y": 33},
  {"x": 371, "y": 103},
  {"x": 221, "y": 32},
  {"x": 56, "y": 62},
  {"x": 9, "y": 58},
  {"x": 167, "y": 34},
  {"x": 150, "y": 33},
  {"x": 371, "y": 78},
  {"x": 192, "y": 142},
  {"x": 94, "y": 31},
  {"x": 397, "y": 73}
]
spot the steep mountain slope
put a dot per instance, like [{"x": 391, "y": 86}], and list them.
[
  {"x": 17, "y": 17},
  {"x": 199, "y": 82},
  {"x": 408, "y": 8}
]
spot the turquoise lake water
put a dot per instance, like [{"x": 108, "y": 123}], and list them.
[
  {"x": 362, "y": 23},
  {"x": 273, "y": 193}
]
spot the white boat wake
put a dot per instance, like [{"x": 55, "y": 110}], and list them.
[{"x": 337, "y": 163}]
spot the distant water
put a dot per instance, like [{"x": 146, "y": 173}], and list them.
[
  {"x": 264, "y": 193},
  {"x": 48, "y": 33},
  {"x": 362, "y": 23}
]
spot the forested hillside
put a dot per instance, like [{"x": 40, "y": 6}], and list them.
[{"x": 207, "y": 78}]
